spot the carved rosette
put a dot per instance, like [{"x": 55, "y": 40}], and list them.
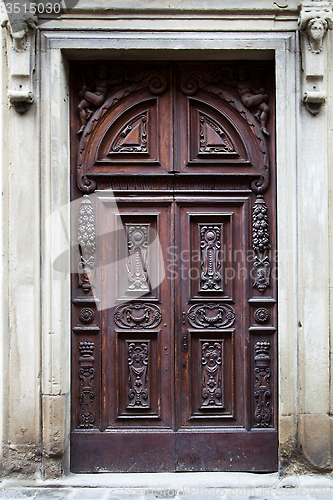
[
  {"x": 210, "y": 276},
  {"x": 261, "y": 315},
  {"x": 260, "y": 241},
  {"x": 86, "y": 315},
  {"x": 138, "y": 394},
  {"x": 211, "y": 316},
  {"x": 137, "y": 315},
  {"x": 137, "y": 265},
  {"x": 86, "y": 374},
  {"x": 262, "y": 393},
  {"x": 211, "y": 364},
  {"x": 86, "y": 235}
]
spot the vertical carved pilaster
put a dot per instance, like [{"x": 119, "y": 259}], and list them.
[
  {"x": 262, "y": 393},
  {"x": 211, "y": 363},
  {"x": 86, "y": 374},
  {"x": 260, "y": 241},
  {"x": 138, "y": 377},
  {"x": 87, "y": 244},
  {"x": 211, "y": 278},
  {"x": 137, "y": 266}
]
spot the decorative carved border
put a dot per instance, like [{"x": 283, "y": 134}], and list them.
[
  {"x": 262, "y": 392},
  {"x": 211, "y": 364},
  {"x": 138, "y": 358},
  {"x": 261, "y": 269},
  {"x": 86, "y": 235},
  {"x": 86, "y": 374}
]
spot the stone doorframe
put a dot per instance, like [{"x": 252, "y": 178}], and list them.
[{"x": 302, "y": 175}]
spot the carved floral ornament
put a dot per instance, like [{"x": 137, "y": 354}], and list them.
[{"x": 260, "y": 243}]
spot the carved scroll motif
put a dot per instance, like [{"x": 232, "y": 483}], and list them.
[
  {"x": 87, "y": 244},
  {"x": 138, "y": 378},
  {"x": 213, "y": 139},
  {"x": 211, "y": 316},
  {"x": 262, "y": 393},
  {"x": 137, "y": 265},
  {"x": 133, "y": 137},
  {"x": 211, "y": 363},
  {"x": 86, "y": 374},
  {"x": 137, "y": 315},
  {"x": 260, "y": 241},
  {"x": 211, "y": 278}
]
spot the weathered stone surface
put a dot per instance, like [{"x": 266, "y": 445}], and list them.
[{"x": 315, "y": 439}]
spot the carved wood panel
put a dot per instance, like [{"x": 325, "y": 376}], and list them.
[{"x": 174, "y": 302}]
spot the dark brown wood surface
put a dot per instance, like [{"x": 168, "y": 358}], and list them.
[{"x": 183, "y": 377}]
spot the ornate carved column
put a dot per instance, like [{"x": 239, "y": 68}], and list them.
[{"x": 315, "y": 19}]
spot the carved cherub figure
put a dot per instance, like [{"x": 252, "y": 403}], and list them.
[
  {"x": 94, "y": 95},
  {"x": 249, "y": 96}
]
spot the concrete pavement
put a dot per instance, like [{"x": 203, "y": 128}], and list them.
[{"x": 177, "y": 486}]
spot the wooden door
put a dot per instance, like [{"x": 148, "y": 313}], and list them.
[{"x": 174, "y": 303}]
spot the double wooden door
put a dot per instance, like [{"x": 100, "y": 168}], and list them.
[{"x": 174, "y": 310}]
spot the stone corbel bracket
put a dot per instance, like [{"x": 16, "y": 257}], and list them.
[
  {"x": 21, "y": 61},
  {"x": 315, "y": 19}
]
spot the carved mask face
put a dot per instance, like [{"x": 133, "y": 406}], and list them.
[
  {"x": 317, "y": 30},
  {"x": 211, "y": 357}
]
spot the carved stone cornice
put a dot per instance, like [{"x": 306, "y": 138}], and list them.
[{"x": 315, "y": 19}]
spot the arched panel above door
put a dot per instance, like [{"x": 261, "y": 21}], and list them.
[
  {"x": 213, "y": 138},
  {"x": 132, "y": 137}
]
